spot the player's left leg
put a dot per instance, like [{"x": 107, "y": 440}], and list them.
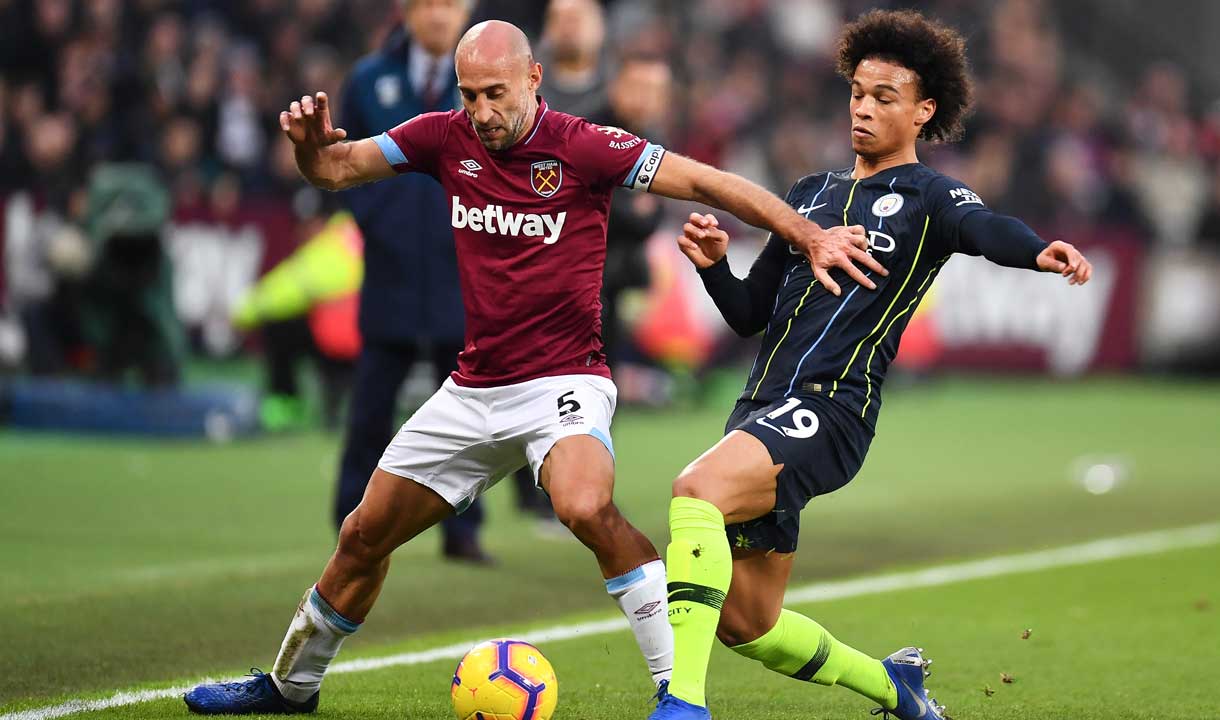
[
  {"x": 570, "y": 450},
  {"x": 754, "y": 624},
  {"x": 578, "y": 474}
]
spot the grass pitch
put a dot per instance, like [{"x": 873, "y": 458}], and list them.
[{"x": 127, "y": 564}]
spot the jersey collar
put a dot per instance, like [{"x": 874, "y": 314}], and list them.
[
  {"x": 542, "y": 111},
  {"x": 538, "y": 117},
  {"x": 884, "y": 173}
]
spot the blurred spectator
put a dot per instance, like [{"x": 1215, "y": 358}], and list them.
[
  {"x": 195, "y": 88},
  {"x": 574, "y": 75},
  {"x": 239, "y": 135},
  {"x": 1071, "y": 133},
  {"x": 1209, "y": 226},
  {"x": 128, "y": 314},
  {"x": 46, "y": 259},
  {"x": 639, "y": 97}
]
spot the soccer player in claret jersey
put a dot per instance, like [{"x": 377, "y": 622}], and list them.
[
  {"x": 806, "y": 417},
  {"x": 528, "y": 191}
]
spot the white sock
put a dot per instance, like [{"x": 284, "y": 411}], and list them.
[
  {"x": 313, "y": 640},
  {"x": 640, "y": 594}
]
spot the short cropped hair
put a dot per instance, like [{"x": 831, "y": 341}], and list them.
[{"x": 935, "y": 52}]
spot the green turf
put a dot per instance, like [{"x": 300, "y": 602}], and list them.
[
  {"x": 1133, "y": 638},
  {"x": 126, "y": 563}
]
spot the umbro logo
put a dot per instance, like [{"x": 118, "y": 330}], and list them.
[
  {"x": 470, "y": 168},
  {"x": 647, "y": 610}
]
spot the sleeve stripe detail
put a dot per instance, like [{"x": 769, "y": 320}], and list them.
[
  {"x": 391, "y": 151},
  {"x": 641, "y": 175}
]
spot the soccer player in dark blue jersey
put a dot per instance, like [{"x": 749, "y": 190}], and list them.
[{"x": 806, "y": 417}]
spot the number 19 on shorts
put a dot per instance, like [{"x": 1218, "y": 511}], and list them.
[{"x": 805, "y": 422}]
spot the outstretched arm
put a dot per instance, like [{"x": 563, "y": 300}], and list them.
[
  {"x": 745, "y": 304},
  {"x": 1007, "y": 241},
  {"x": 843, "y": 247},
  {"x": 323, "y": 159}
]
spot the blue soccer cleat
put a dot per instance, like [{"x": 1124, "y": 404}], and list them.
[
  {"x": 662, "y": 691},
  {"x": 907, "y": 669},
  {"x": 670, "y": 707},
  {"x": 258, "y": 694}
]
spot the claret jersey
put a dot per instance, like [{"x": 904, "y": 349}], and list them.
[{"x": 529, "y": 223}]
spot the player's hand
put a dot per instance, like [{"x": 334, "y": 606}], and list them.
[
  {"x": 306, "y": 122},
  {"x": 702, "y": 240},
  {"x": 844, "y": 247},
  {"x": 1065, "y": 259}
]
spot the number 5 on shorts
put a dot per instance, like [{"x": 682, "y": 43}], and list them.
[
  {"x": 567, "y": 404},
  {"x": 806, "y": 421}
]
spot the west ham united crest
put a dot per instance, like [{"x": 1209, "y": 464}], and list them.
[{"x": 546, "y": 176}]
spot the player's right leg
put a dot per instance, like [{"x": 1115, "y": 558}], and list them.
[
  {"x": 735, "y": 480},
  {"x": 380, "y": 371},
  {"x": 757, "y": 479},
  {"x": 394, "y": 510},
  {"x": 437, "y": 462}
]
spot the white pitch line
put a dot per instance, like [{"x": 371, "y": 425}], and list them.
[{"x": 1067, "y": 556}]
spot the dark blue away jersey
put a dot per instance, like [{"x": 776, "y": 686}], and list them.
[{"x": 842, "y": 346}]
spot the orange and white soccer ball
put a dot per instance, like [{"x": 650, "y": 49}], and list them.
[{"x": 504, "y": 680}]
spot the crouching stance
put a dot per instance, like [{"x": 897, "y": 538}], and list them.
[
  {"x": 529, "y": 193},
  {"x": 806, "y": 417}
]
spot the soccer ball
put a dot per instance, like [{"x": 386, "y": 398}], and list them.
[{"x": 504, "y": 680}]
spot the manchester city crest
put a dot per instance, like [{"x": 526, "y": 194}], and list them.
[
  {"x": 546, "y": 176},
  {"x": 887, "y": 205}
]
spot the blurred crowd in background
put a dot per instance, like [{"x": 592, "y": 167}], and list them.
[
  {"x": 195, "y": 87},
  {"x": 1079, "y": 138}
]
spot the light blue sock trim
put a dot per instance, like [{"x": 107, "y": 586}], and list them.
[
  {"x": 622, "y": 582},
  {"x": 331, "y": 615},
  {"x": 391, "y": 151},
  {"x": 604, "y": 438}
]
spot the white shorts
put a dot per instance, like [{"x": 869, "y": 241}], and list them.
[{"x": 463, "y": 440}]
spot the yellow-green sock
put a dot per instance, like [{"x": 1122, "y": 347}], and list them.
[
  {"x": 699, "y": 565},
  {"x": 800, "y": 648}
]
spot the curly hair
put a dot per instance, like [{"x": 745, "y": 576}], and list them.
[{"x": 935, "y": 52}]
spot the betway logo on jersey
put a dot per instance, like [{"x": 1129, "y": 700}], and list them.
[{"x": 495, "y": 220}]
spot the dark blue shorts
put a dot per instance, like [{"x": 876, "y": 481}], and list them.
[{"x": 821, "y": 445}]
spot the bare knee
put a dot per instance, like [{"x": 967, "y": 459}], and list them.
[
  {"x": 698, "y": 483},
  {"x": 361, "y": 544},
  {"x": 691, "y": 483},
  {"x": 587, "y": 515}
]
